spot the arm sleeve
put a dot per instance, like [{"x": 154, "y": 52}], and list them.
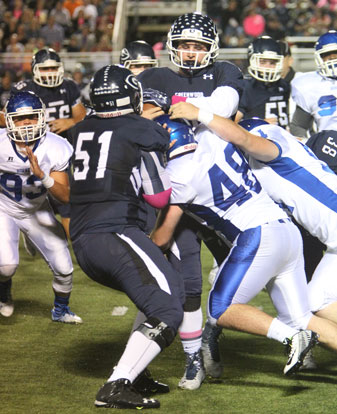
[
  {"x": 155, "y": 180},
  {"x": 300, "y": 123},
  {"x": 224, "y": 101}
]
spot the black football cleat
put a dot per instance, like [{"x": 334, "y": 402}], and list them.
[
  {"x": 121, "y": 394},
  {"x": 146, "y": 385}
]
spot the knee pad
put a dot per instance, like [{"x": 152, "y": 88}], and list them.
[
  {"x": 192, "y": 303},
  {"x": 6, "y": 272},
  {"x": 158, "y": 332},
  {"x": 63, "y": 284}
]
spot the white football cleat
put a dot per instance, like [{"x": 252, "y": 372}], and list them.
[
  {"x": 6, "y": 309},
  {"x": 66, "y": 316},
  {"x": 194, "y": 372},
  {"x": 298, "y": 347}
]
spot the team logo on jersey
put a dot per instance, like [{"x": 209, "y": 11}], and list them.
[
  {"x": 63, "y": 90},
  {"x": 10, "y": 159},
  {"x": 205, "y": 76}
]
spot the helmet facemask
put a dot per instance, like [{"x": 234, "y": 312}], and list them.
[
  {"x": 26, "y": 133},
  {"x": 327, "y": 68},
  {"x": 266, "y": 66},
  {"x": 48, "y": 78},
  {"x": 193, "y": 27}
]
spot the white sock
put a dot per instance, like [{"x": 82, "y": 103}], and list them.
[
  {"x": 280, "y": 331},
  {"x": 190, "y": 331},
  {"x": 138, "y": 353}
]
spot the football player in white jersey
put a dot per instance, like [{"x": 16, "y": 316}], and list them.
[
  {"x": 33, "y": 163},
  {"x": 295, "y": 178},
  {"x": 315, "y": 92},
  {"x": 213, "y": 183}
]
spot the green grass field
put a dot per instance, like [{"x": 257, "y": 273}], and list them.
[{"x": 52, "y": 368}]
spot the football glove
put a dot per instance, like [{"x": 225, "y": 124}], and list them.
[{"x": 157, "y": 98}]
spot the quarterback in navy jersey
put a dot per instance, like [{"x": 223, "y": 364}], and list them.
[
  {"x": 112, "y": 174},
  {"x": 193, "y": 46},
  {"x": 265, "y": 94}
]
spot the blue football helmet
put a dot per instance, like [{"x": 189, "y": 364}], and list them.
[
  {"x": 182, "y": 133},
  {"x": 25, "y": 105},
  {"x": 326, "y": 45},
  {"x": 115, "y": 91},
  {"x": 252, "y": 123},
  {"x": 47, "y": 58}
]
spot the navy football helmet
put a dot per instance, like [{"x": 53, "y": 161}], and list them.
[
  {"x": 115, "y": 91},
  {"x": 326, "y": 45},
  {"x": 264, "y": 49},
  {"x": 197, "y": 28},
  {"x": 252, "y": 123},
  {"x": 138, "y": 53},
  {"x": 25, "y": 105},
  {"x": 182, "y": 133},
  {"x": 47, "y": 58}
]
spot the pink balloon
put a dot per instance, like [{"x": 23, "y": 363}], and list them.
[{"x": 254, "y": 25}]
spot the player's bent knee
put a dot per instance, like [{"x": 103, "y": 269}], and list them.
[
  {"x": 158, "y": 332},
  {"x": 192, "y": 303},
  {"x": 7, "y": 271},
  {"x": 63, "y": 284}
]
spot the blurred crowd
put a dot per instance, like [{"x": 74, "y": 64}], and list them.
[{"x": 240, "y": 21}]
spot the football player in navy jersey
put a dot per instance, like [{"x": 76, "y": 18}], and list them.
[
  {"x": 112, "y": 176},
  {"x": 138, "y": 56},
  {"x": 265, "y": 94},
  {"x": 61, "y": 97},
  {"x": 193, "y": 46}
]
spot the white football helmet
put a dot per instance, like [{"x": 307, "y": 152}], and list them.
[{"x": 47, "y": 58}]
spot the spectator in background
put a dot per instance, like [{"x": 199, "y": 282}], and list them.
[
  {"x": 34, "y": 28},
  {"x": 71, "y": 5},
  {"x": 73, "y": 45},
  {"x": 90, "y": 13},
  {"x": 85, "y": 39},
  {"x": 17, "y": 9},
  {"x": 53, "y": 33},
  {"x": 41, "y": 12},
  {"x": 14, "y": 46},
  {"x": 79, "y": 20},
  {"x": 7, "y": 77},
  {"x": 274, "y": 27},
  {"x": 61, "y": 16}
]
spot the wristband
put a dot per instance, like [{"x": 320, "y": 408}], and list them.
[
  {"x": 205, "y": 117},
  {"x": 47, "y": 181}
]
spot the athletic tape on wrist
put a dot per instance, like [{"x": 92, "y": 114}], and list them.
[
  {"x": 47, "y": 181},
  {"x": 205, "y": 117}
]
